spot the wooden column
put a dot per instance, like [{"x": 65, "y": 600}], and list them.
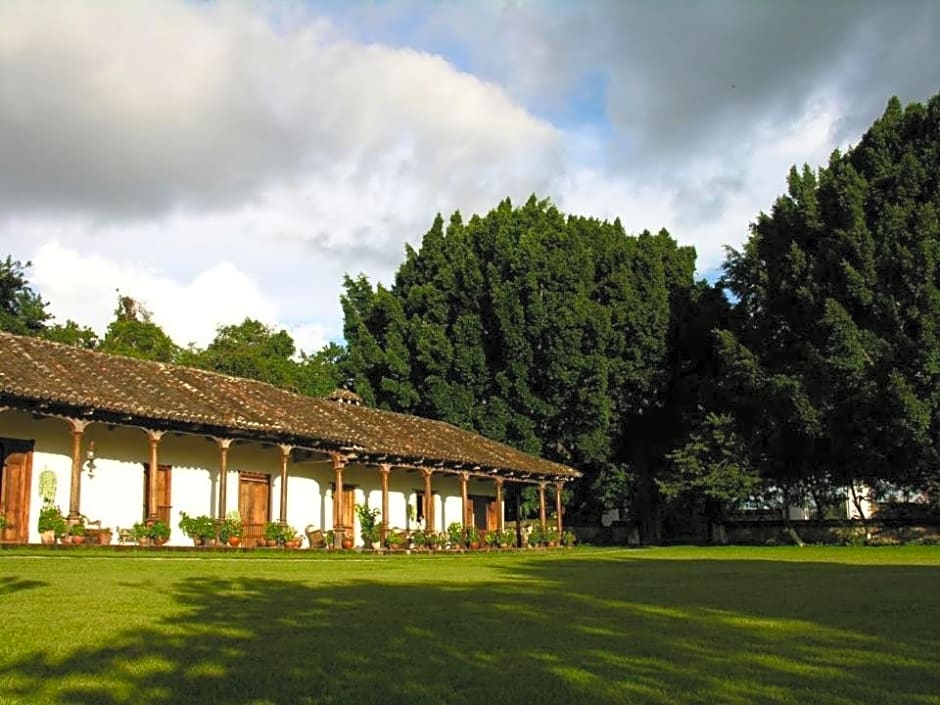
[
  {"x": 499, "y": 504},
  {"x": 154, "y": 437},
  {"x": 384, "y": 471},
  {"x": 224, "y": 444},
  {"x": 428, "y": 500},
  {"x": 339, "y": 462},
  {"x": 285, "y": 456},
  {"x": 75, "y": 491},
  {"x": 464, "y": 477},
  {"x": 542, "y": 518},
  {"x": 558, "y": 524}
]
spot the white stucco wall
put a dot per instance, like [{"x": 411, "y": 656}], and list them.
[{"x": 115, "y": 493}]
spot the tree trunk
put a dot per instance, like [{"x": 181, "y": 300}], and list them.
[{"x": 857, "y": 501}]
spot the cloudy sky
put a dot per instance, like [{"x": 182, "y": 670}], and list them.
[{"x": 224, "y": 160}]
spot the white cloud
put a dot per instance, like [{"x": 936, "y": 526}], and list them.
[
  {"x": 85, "y": 288},
  {"x": 710, "y": 203},
  {"x": 137, "y": 108},
  {"x": 166, "y": 141}
]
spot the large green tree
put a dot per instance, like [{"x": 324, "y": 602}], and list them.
[
  {"x": 832, "y": 365},
  {"x": 548, "y": 332}
]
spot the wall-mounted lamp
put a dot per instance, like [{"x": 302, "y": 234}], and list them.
[{"x": 90, "y": 460}]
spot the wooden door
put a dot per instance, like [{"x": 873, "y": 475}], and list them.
[
  {"x": 164, "y": 492},
  {"x": 254, "y": 505},
  {"x": 492, "y": 515},
  {"x": 14, "y": 496}
]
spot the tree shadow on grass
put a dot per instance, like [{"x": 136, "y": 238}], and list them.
[
  {"x": 550, "y": 631},
  {"x": 11, "y": 584}
]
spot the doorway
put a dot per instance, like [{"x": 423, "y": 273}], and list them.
[
  {"x": 254, "y": 505},
  {"x": 164, "y": 492},
  {"x": 15, "y": 480}
]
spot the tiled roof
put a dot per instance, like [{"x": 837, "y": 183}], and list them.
[{"x": 41, "y": 375}]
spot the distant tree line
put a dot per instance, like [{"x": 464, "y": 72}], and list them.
[
  {"x": 249, "y": 349},
  {"x": 808, "y": 373}
]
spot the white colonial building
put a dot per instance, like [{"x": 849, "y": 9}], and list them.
[{"x": 121, "y": 441}]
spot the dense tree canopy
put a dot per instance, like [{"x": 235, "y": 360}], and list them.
[
  {"x": 548, "y": 332},
  {"x": 832, "y": 366}
]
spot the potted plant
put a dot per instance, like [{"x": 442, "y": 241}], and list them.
[
  {"x": 159, "y": 532},
  {"x": 369, "y": 528},
  {"x": 419, "y": 539},
  {"x": 290, "y": 538},
  {"x": 473, "y": 538},
  {"x": 490, "y": 539},
  {"x": 455, "y": 536},
  {"x": 200, "y": 528},
  {"x": 3, "y": 522},
  {"x": 141, "y": 533},
  {"x": 395, "y": 540},
  {"x": 535, "y": 536},
  {"x": 435, "y": 540},
  {"x": 105, "y": 536},
  {"x": 77, "y": 533},
  {"x": 550, "y": 536},
  {"x": 272, "y": 534},
  {"x": 330, "y": 537},
  {"x": 51, "y": 523},
  {"x": 507, "y": 539},
  {"x": 231, "y": 529},
  {"x": 346, "y": 540}
]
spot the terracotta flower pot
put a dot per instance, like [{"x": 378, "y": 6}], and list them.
[
  {"x": 347, "y": 544},
  {"x": 234, "y": 541},
  {"x": 77, "y": 540}
]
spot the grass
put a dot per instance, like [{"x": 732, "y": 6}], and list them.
[{"x": 683, "y": 625}]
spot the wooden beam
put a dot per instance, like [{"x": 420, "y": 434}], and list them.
[
  {"x": 384, "y": 470},
  {"x": 285, "y": 456},
  {"x": 428, "y": 500},
  {"x": 542, "y": 518},
  {"x": 223, "y": 444},
  {"x": 154, "y": 437},
  {"x": 75, "y": 490}
]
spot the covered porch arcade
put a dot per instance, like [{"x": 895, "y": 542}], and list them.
[{"x": 93, "y": 395}]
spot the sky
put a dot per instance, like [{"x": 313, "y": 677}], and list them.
[{"x": 218, "y": 161}]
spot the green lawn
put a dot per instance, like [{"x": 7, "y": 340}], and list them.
[{"x": 683, "y": 625}]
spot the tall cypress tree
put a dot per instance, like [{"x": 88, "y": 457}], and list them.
[{"x": 545, "y": 331}]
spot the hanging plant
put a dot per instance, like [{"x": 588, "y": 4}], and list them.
[{"x": 47, "y": 485}]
